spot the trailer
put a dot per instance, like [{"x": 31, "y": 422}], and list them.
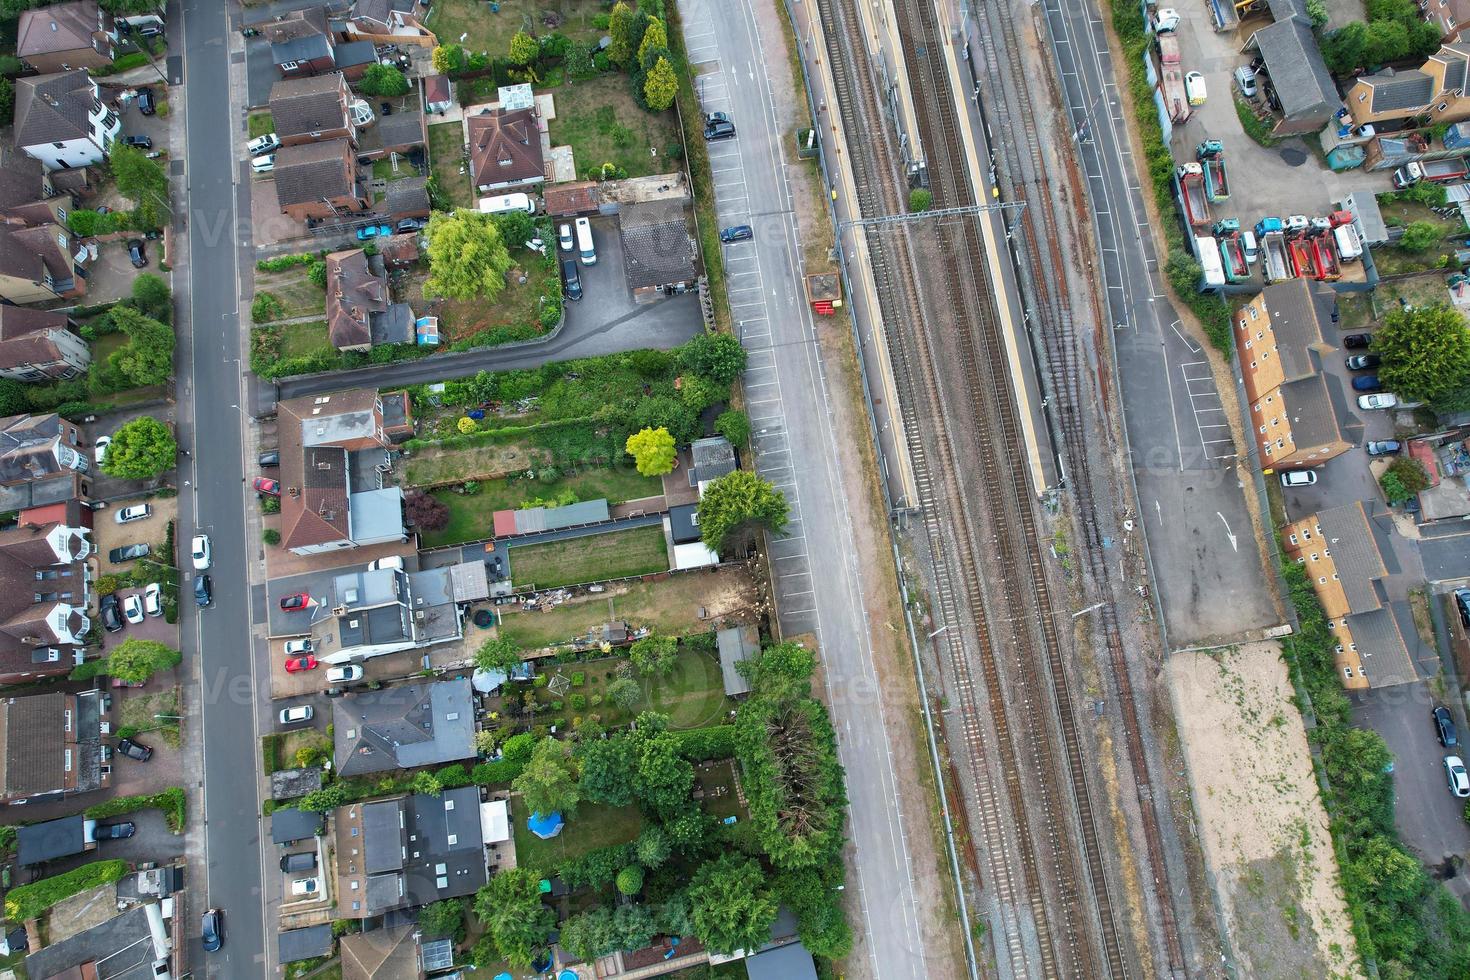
[
  {"x": 1232, "y": 252},
  {"x": 1189, "y": 184},
  {"x": 1211, "y": 156},
  {"x": 1303, "y": 258},
  {"x": 1439, "y": 171},
  {"x": 1323, "y": 250},
  {"x": 1171, "y": 76},
  {"x": 1212, "y": 271},
  {"x": 1273, "y": 248}
]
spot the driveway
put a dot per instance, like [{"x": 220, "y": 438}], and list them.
[
  {"x": 151, "y": 841},
  {"x": 1445, "y": 552},
  {"x": 109, "y": 534},
  {"x": 151, "y": 628},
  {"x": 1429, "y": 819},
  {"x": 113, "y": 488}
]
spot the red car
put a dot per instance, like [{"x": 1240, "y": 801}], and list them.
[
  {"x": 297, "y": 664},
  {"x": 267, "y": 486},
  {"x": 299, "y": 600}
]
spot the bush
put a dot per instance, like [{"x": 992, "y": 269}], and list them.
[
  {"x": 705, "y": 744},
  {"x": 271, "y": 536},
  {"x": 735, "y": 426},
  {"x": 281, "y": 263},
  {"x": 28, "y": 901},
  {"x": 920, "y": 199},
  {"x": 171, "y": 801},
  {"x": 266, "y": 307},
  {"x": 1421, "y": 236}
]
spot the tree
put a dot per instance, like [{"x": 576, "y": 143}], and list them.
[
  {"x": 633, "y": 925},
  {"x": 548, "y": 784},
  {"x": 814, "y": 897},
  {"x": 654, "y": 36},
  {"x": 425, "y": 783},
  {"x": 467, "y": 258},
  {"x": 523, "y": 49},
  {"x": 717, "y": 356},
  {"x": 652, "y": 846},
  {"x": 663, "y": 779},
  {"x": 663, "y": 412},
  {"x": 672, "y": 917},
  {"x": 735, "y": 506},
  {"x": 688, "y": 830},
  {"x": 630, "y": 880},
  {"x": 920, "y": 199},
  {"x": 442, "y": 920},
  {"x": 730, "y": 904},
  {"x": 7, "y": 98},
  {"x": 499, "y": 653},
  {"x": 425, "y": 511},
  {"x": 735, "y": 426},
  {"x": 466, "y": 425},
  {"x": 652, "y": 451},
  {"x": 620, "y": 24},
  {"x": 624, "y": 692},
  {"x": 515, "y": 920},
  {"x": 153, "y": 298},
  {"x": 448, "y": 59},
  {"x": 1420, "y": 236},
  {"x": 1346, "y": 49},
  {"x": 1410, "y": 473},
  {"x": 141, "y": 181},
  {"x": 384, "y": 81},
  {"x": 700, "y": 393},
  {"x": 588, "y": 935},
  {"x": 148, "y": 356},
  {"x": 654, "y": 655},
  {"x": 516, "y": 227},
  {"x": 1425, "y": 352},
  {"x": 140, "y": 450},
  {"x": 783, "y": 669},
  {"x": 607, "y": 771},
  {"x": 135, "y": 660}
]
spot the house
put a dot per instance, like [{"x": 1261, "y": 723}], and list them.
[
  {"x": 41, "y": 466},
  {"x": 310, "y": 110},
  {"x": 301, "y": 43},
  {"x": 1436, "y": 91},
  {"x": 38, "y": 264},
  {"x": 438, "y": 94},
  {"x": 61, "y": 120},
  {"x": 332, "y": 494},
  {"x": 572, "y": 200},
  {"x": 407, "y": 198},
  {"x": 658, "y": 251},
  {"x": 404, "y": 727},
  {"x": 1450, "y": 16},
  {"x": 320, "y": 181},
  {"x": 45, "y": 586},
  {"x": 131, "y": 945},
  {"x": 382, "y": 954},
  {"x": 29, "y": 195},
  {"x": 1280, "y": 342},
  {"x": 295, "y": 945},
  {"x": 1297, "y": 74},
  {"x": 360, "y": 313},
  {"x": 399, "y": 133},
  {"x": 384, "y": 21},
  {"x": 386, "y": 610},
  {"x": 290, "y": 824},
  {"x": 408, "y": 851},
  {"x": 53, "y": 744},
  {"x": 1345, "y": 567},
  {"x": 48, "y": 840},
  {"x": 505, "y": 149},
  {"x": 63, "y": 36},
  {"x": 690, "y": 550},
  {"x": 38, "y": 345}
]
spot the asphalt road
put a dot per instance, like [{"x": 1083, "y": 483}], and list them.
[{"x": 211, "y": 425}]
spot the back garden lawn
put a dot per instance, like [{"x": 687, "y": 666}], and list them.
[
  {"x": 595, "y": 558},
  {"x": 602, "y": 123},
  {"x": 592, "y": 826}
]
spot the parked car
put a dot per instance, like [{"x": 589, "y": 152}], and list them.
[
  {"x": 269, "y": 458},
  {"x": 1444, "y": 727},
  {"x": 203, "y": 595},
  {"x": 572, "y": 280},
  {"x": 212, "y": 930},
  {"x": 133, "y": 609},
  {"x": 263, "y": 165},
  {"x": 136, "y": 254},
  {"x": 111, "y": 613},
  {"x": 1245, "y": 77},
  {"x": 1454, "y": 770},
  {"x": 306, "y": 886},
  {"x": 153, "y": 599},
  {"x": 714, "y": 117},
  {"x": 99, "y": 448},
  {"x": 267, "y": 486},
  {"x": 128, "y": 552},
  {"x": 1354, "y": 341},
  {"x": 1362, "y": 362},
  {"x": 300, "y": 861},
  {"x": 263, "y": 144},
  {"x": 736, "y": 233},
  {"x": 1366, "y": 382},
  {"x": 292, "y": 716},
  {"x": 1299, "y": 478},
  {"x": 294, "y": 647},
  {"x": 137, "y": 512},
  {"x": 114, "y": 831},
  {"x": 372, "y": 231},
  {"x": 720, "y": 130},
  {"x": 564, "y": 238},
  {"x": 1194, "y": 87},
  {"x": 345, "y": 674},
  {"x": 1380, "y": 400},
  {"x": 412, "y": 224},
  {"x": 294, "y": 601},
  {"x": 146, "y": 104},
  {"x": 134, "y": 750},
  {"x": 298, "y": 664},
  {"x": 201, "y": 553},
  {"x": 141, "y": 142},
  {"x": 1383, "y": 447},
  {"x": 1462, "y": 603}
]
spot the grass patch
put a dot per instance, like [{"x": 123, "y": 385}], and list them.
[
  {"x": 446, "y": 158},
  {"x": 1423, "y": 290},
  {"x": 434, "y": 466},
  {"x": 719, "y": 776},
  {"x": 693, "y": 695},
  {"x": 595, "y": 558},
  {"x": 602, "y": 124},
  {"x": 487, "y": 31},
  {"x": 138, "y": 712},
  {"x": 470, "y": 516},
  {"x": 1355, "y": 311},
  {"x": 298, "y": 295},
  {"x": 298, "y": 339},
  {"x": 517, "y": 306},
  {"x": 592, "y": 827},
  {"x": 1255, "y": 127},
  {"x": 261, "y": 123}
]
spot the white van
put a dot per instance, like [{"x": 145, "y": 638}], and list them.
[
  {"x": 265, "y": 164},
  {"x": 507, "y": 202},
  {"x": 585, "y": 247}
]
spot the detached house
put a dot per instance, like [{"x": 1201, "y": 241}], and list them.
[
  {"x": 1437, "y": 91},
  {"x": 38, "y": 345},
  {"x": 505, "y": 149},
  {"x": 64, "y": 36},
  {"x": 360, "y": 313},
  {"x": 61, "y": 120}
]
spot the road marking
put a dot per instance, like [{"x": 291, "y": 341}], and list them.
[{"x": 1228, "y": 533}]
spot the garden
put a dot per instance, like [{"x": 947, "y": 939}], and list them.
[
  {"x": 602, "y": 123},
  {"x": 447, "y": 164},
  {"x": 594, "y": 558}
]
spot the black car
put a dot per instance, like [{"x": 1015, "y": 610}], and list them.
[
  {"x": 111, "y": 615},
  {"x": 1362, "y": 362},
  {"x": 114, "y": 831},
  {"x": 719, "y": 130},
  {"x": 141, "y": 142},
  {"x": 1444, "y": 727},
  {"x": 134, "y": 750},
  {"x": 136, "y": 253},
  {"x": 300, "y": 861},
  {"x": 572, "y": 278},
  {"x": 736, "y": 233},
  {"x": 146, "y": 104},
  {"x": 212, "y": 930},
  {"x": 271, "y": 457},
  {"x": 1356, "y": 340},
  {"x": 128, "y": 552},
  {"x": 203, "y": 595},
  {"x": 412, "y": 224},
  {"x": 1462, "y": 603}
]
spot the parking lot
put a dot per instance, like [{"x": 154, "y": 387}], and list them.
[{"x": 108, "y": 534}]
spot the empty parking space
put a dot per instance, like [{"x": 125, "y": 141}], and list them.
[{"x": 1208, "y": 411}]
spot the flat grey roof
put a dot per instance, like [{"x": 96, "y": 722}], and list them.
[
  {"x": 736, "y": 645},
  {"x": 52, "y": 839},
  {"x": 789, "y": 962},
  {"x": 289, "y": 824},
  {"x": 304, "y": 944}
]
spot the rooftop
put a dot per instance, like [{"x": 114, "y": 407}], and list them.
[
  {"x": 404, "y": 727},
  {"x": 736, "y": 646},
  {"x": 1355, "y": 555},
  {"x": 50, "y": 839},
  {"x": 53, "y": 108},
  {"x": 57, "y": 28},
  {"x": 124, "y": 947},
  {"x": 288, "y": 824},
  {"x": 304, "y": 944},
  {"x": 308, "y": 106},
  {"x": 1295, "y": 65},
  {"x": 657, "y": 247},
  {"x": 505, "y": 147},
  {"x": 311, "y": 172}
]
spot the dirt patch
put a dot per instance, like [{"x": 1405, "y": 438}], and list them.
[{"x": 1262, "y": 823}]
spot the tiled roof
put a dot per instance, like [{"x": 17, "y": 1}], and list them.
[
  {"x": 58, "y": 28},
  {"x": 504, "y": 146},
  {"x": 1381, "y": 648},
  {"x": 1295, "y": 307},
  {"x": 1294, "y": 62},
  {"x": 1410, "y": 89},
  {"x": 315, "y": 171},
  {"x": 23, "y": 335},
  {"x": 437, "y": 90},
  {"x": 579, "y": 198},
  {"x": 52, "y": 108},
  {"x": 1313, "y": 419},
  {"x": 408, "y": 198},
  {"x": 33, "y": 729},
  {"x": 311, "y": 22},
  {"x": 317, "y": 511},
  {"x": 1345, "y": 532},
  {"x": 657, "y": 248},
  {"x": 354, "y": 293},
  {"x": 301, "y": 106}
]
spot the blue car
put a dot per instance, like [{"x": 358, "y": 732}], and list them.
[
  {"x": 736, "y": 233},
  {"x": 1366, "y": 382},
  {"x": 203, "y": 595},
  {"x": 372, "y": 231}
]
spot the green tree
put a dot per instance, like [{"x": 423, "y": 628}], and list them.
[
  {"x": 672, "y": 915},
  {"x": 1420, "y": 236},
  {"x": 7, "y": 98},
  {"x": 735, "y": 506},
  {"x": 516, "y": 922},
  {"x": 1425, "y": 352},
  {"x": 384, "y": 81},
  {"x": 499, "y": 653},
  {"x": 663, "y": 779},
  {"x": 730, "y": 904},
  {"x": 663, "y": 412},
  {"x": 523, "y": 49},
  {"x": 467, "y": 258},
  {"x": 620, "y": 25},
  {"x": 1317, "y": 13},
  {"x": 688, "y": 830},
  {"x": 548, "y": 784},
  {"x": 442, "y": 920},
  {"x": 652, "y": 451},
  {"x": 588, "y": 935},
  {"x": 140, "y": 450},
  {"x": 141, "y": 181},
  {"x": 630, "y": 880},
  {"x": 654, "y": 36},
  {"x": 735, "y": 426},
  {"x": 153, "y": 298},
  {"x": 148, "y": 356},
  {"x": 633, "y": 925},
  {"x": 920, "y": 199},
  {"x": 448, "y": 59},
  {"x": 814, "y": 898},
  {"x": 717, "y": 356},
  {"x": 607, "y": 770},
  {"x": 652, "y": 846},
  {"x": 1411, "y": 474},
  {"x": 425, "y": 783},
  {"x": 516, "y": 228},
  {"x": 135, "y": 660},
  {"x": 624, "y": 692},
  {"x": 661, "y": 85},
  {"x": 654, "y": 655}
]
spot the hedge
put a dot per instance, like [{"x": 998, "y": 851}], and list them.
[
  {"x": 704, "y": 744},
  {"x": 28, "y": 901},
  {"x": 171, "y": 801},
  {"x": 280, "y": 263}
]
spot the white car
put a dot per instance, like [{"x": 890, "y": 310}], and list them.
[
  {"x": 306, "y": 886},
  {"x": 1454, "y": 770},
  {"x": 293, "y": 647},
  {"x": 290, "y": 716},
  {"x": 564, "y": 238},
  {"x": 1381, "y": 399},
  {"x": 345, "y": 674},
  {"x": 153, "y": 599},
  {"x": 263, "y": 144},
  {"x": 1245, "y": 77},
  {"x": 137, "y": 512},
  {"x": 202, "y": 554},
  {"x": 1194, "y": 88},
  {"x": 1298, "y": 478},
  {"x": 133, "y": 609},
  {"x": 99, "y": 448},
  {"x": 265, "y": 164}
]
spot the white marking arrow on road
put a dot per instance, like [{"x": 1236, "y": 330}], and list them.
[{"x": 1227, "y": 530}]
